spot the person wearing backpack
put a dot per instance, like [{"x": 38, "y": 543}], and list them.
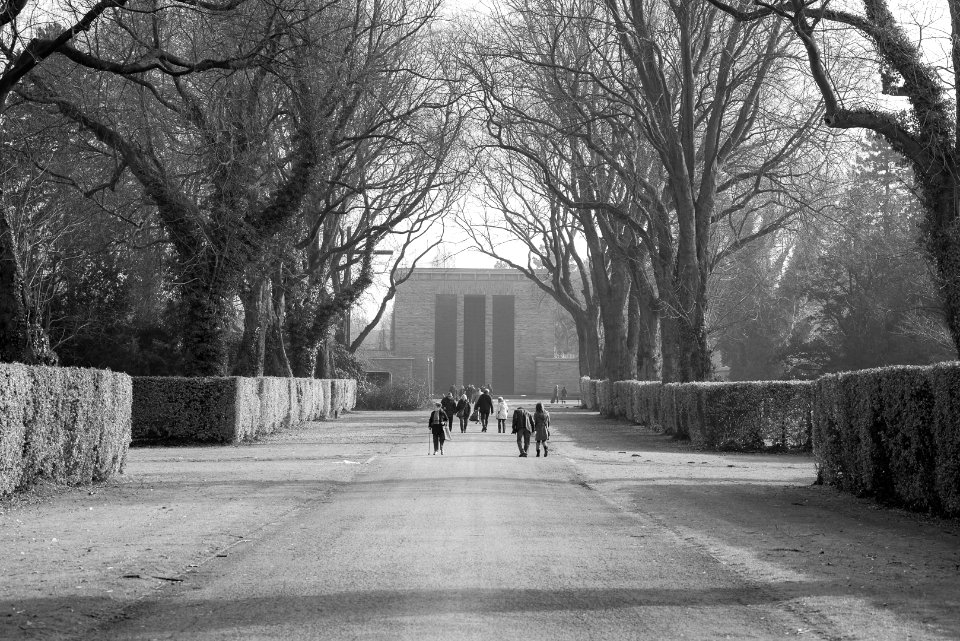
[{"x": 437, "y": 423}]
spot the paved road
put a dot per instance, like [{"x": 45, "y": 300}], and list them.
[
  {"x": 653, "y": 541},
  {"x": 476, "y": 544}
]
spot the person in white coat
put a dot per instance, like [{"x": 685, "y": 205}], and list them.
[{"x": 502, "y": 410}]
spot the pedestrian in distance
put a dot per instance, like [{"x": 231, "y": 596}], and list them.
[
  {"x": 463, "y": 412},
  {"x": 556, "y": 394},
  {"x": 437, "y": 424},
  {"x": 484, "y": 408},
  {"x": 449, "y": 406},
  {"x": 522, "y": 427},
  {"x": 541, "y": 428},
  {"x": 502, "y": 410},
  {"x": 563, "y": 395}
]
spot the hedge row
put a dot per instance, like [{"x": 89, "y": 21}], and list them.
[
  {"x": 61, "y": 424},
  {"x": 725, "y": 416},
  {"x": 892, "y": 433},
  {"x": 232, "y": 409}
]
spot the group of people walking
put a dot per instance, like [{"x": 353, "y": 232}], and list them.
[
  {"x": 523, "y": 424},
  {"x": 559, "y": 394}
]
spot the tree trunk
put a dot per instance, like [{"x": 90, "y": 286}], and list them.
[
  {"x": 303, "y": 357},
  {"x": 588, "y": 343},
  {"x": 669, "y": 343},
  {"x": 206, "y": 309},
  {"x": 324, "y": 359},
  {"x": 643, "y": 330},
  {"x": 941, "y": 231},
  {"x": 256, "y": 322},
  {"x": 276, "y": 362},
  {"x": 303, "y": 338},
  {"x": 616, "y": 356},
  {"x": 20, "y": 341}
]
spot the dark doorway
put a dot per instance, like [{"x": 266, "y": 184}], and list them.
[
  {"x": 503, "y": 336},
  {"x": 445, "y": 343},
  {"x": 474, "y": 340}
]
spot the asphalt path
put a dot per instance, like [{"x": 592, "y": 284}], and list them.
[
  {"x": 349, "y": 530},
  {"x": 475, "y": 544}
]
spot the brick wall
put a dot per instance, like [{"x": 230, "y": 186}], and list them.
[
  {"x": 399, "y": 368},
  {"x": 535, "y": 315},
  {"x": 558, "y": 371}
]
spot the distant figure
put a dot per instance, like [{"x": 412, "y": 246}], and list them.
[
  {"x": 502, "y": 410},
  {"x": 450, "y": 408},
  {"x": 541, "y": 428},
  {"x": 485, "y": 408},
  {"x": 556, "y": 394},
  {"x": 463, "y": 412},
  {"x": 437, "y": 423},
  {"x": 563, "y": 395},
  {"x": 453, "y": 390},
  {"x": 470, "y": 390},
  {"x": 522, "y": 427}
]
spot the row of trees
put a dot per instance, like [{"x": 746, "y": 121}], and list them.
[
  {"x": 208, "y": 186},
  {"x": 674, "y": 169},
  {"x": 220, "y": 176}
]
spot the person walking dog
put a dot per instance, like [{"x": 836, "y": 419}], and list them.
[
  {"x": 437, "y": 423},
  {"x": 522, "y": 427},
  {"x": 541, "y": 428}
]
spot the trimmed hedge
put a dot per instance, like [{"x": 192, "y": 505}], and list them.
[
  {"x": 232, "y": 409},
  {"x": 726, "y": 416},
  {"x": 62, "y": 424},
  {"x": 401, "y": 395},
  {"x": 892, "y": 433},
  {"x": 743, "y": 416},
  {"x": 588, "y": 392}
]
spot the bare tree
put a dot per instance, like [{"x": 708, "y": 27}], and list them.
[
  {"x": 691, "y": 124},
  {"x": 925, "y": 133},
  {"x": 395, "y": 170},
  {"x": 228, "y": 157},
  {"x": 551, "y": 235},
  {"x": 48, "y": 57}
]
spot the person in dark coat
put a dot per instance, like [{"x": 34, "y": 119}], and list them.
[
  {"x": 522, "y": 427},
  {"x": 484, "y": 408},
  {"x": 463, "y": 412},
  {"x": 449, "y": 407},
  {"x": 563, "y": 395},
  {"x": 541, "y": 428},
  {"x": 437, "y": 423}
]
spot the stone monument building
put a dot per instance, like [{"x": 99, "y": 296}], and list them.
[{"x": 476, "y": 326}]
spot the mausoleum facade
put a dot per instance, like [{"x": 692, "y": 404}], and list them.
[{"x": 495, "y": 327}]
